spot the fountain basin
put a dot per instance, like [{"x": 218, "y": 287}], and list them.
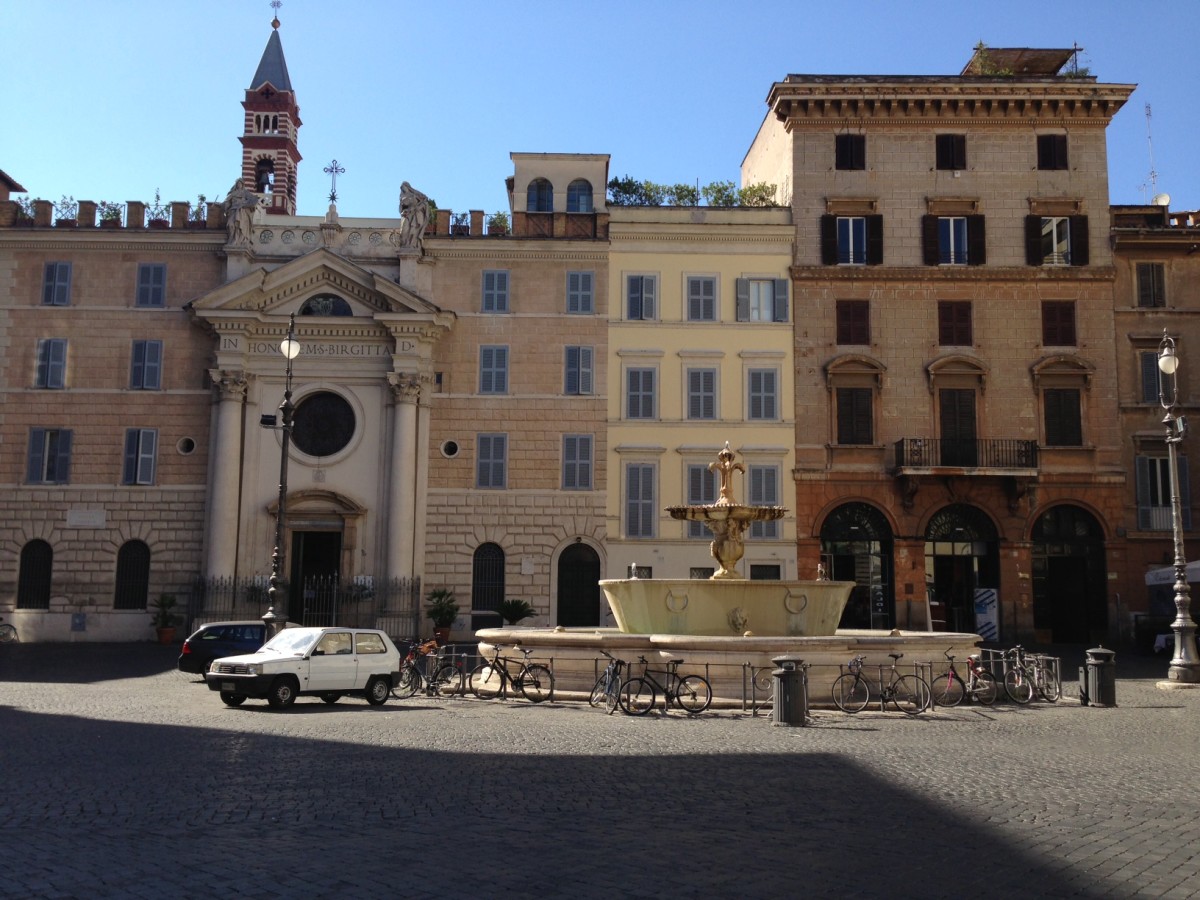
[{"x": 727, "y": 607}]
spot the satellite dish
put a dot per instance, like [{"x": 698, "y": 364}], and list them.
[{"x": 1161, "y": 200}]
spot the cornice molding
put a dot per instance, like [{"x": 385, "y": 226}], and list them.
[
  {"x": 956, "y": 274},
  {"x": 104, "y": 241},
  {"x": 509, "y": 252}
]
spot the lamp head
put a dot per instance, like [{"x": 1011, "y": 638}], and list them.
[{"x": 1168, "y": 362}]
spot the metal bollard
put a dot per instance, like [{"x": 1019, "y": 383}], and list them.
[
  {"x": 790, "y": 697},
  {"x": 1098, "y": 678}
]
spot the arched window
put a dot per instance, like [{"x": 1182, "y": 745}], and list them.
[
  {"x": 133, "y": 576},
  {"x": 540, "y": 197},
  {"x": 326, "y": 305},
  {"x": 264, "y": 175},
  {"x": 857, "y": 545},
  {"x": 33, "y": 581},
  {"x": 579, "y": 196},
  {"x": 487, "y": 585}
]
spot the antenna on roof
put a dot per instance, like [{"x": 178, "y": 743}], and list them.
[{"x": 1153, "y": 179}]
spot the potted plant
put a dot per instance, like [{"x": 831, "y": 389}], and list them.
[
  {"x": 514, "y": 610},
  {"x": 497, "y": 223},
  {"x": 198, "y": 216},
  {"x": 442, "y": 610},
  {"x": 110, "y": 214},
  {"x": 24, "y": 211},
  {"x": 460, "y": 223},
  {"x": 164, "y": 618},
  {"x": 158, "y": 213}
]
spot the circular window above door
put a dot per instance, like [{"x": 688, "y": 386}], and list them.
[{"x": 323, "y": 424}]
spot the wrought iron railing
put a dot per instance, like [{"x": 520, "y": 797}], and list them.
[
  {"x": 391, "y": 605},
  {"x": 999, "y": 453}
]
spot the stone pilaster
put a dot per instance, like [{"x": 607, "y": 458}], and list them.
[
  {"x": 403, "y": 481},
  {"x": 226, "y": 467}
]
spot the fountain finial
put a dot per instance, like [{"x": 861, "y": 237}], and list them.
[{"x": 725, "y": 467}]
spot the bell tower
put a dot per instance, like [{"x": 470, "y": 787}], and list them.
[{"x": 269, "y": 151}]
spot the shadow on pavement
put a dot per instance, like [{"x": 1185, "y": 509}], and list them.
[{"x": 84, "y": 663}]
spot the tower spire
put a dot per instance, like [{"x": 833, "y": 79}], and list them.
[{"x": 270, "y": 153}]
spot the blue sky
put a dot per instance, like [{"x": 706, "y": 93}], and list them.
[{"x": 111, "y": 100}]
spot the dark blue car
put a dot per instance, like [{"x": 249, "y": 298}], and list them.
[{"x": 217, "y": 639}]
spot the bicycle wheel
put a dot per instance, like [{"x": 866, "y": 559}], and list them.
[
  {"x": 447, "y": 680},
  {"x": 407, "y": 682},
  {"x": 536, "y": 682},
  {"x": 1049, "y": 687},
  {"x": 600, "y": 689},
  {"x": 985, "y": 689},
  {"x": 850, "y": 693},
  {"x": 486, "y": 681},
  {"x": 693, "y": 693},
  {"x": 1018, "y": 685},
  {"x": 8, "y": 634},
  {"x": 612, "y": 694},
  {"x": 637, "y": 696},
  {"x": 910, "y": 694},
  {"x": 947, "y": 690}
]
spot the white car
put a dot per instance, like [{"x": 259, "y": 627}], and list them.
[{"x": 319, "y": 662}]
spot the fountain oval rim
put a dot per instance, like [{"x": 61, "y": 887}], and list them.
[{"x": 735, "y": 511}]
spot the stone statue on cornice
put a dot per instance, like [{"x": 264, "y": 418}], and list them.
[
  {"x": 414, "y": 209},
  {"x": 240, "y": 204}
]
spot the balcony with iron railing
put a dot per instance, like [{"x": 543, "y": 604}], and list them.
[{"x": 1006, "y": 456}]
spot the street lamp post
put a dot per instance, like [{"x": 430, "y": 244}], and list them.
[
  {"x": 276, "y": 615},
  {"x": 1185, "y": 666}
]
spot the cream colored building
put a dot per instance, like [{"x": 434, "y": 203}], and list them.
[{"x": 700, "y": 353}]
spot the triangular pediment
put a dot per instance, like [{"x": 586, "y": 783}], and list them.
[{"x": 321, "y": 271}]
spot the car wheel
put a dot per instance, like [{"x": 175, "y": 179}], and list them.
[
  {"x": 331, "y": 698},
  {"x": 282, "y": 693},
  {"x": 378, "y": 689},
  {"x": 232, "y": 699}
]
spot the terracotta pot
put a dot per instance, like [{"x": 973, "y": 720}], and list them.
[
  {"x": 166, "y": 635},
  {"x": 442, "y": 635}
]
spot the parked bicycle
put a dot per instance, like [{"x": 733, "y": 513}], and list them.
[
  {"x": 606, "y": 691},
  {"x": 691, "y": 693},
  {"x": 949, "y": 688},
  {"x": 1028, "y": 675},
  {"x": 425, "y": 669},
  {"x": 492, "y": 679},
  {"x": 8, "y": 634},
  {"x": 908, "y": 693}
]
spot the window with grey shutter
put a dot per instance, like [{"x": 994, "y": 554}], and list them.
[
  {"x": 702, "y": 299},
  {"x": 141, "y": 447},
  {"x": 639, "y": 393},
  {"x": 640, "y": 294},
  {"x": 763, "y": 402},
  {"x": 493, "y": 370},
  {"x": 701, "y": 490},
  {"x": 702, "y": 393},
  {"x": 579, "y": 293},
  {"x": 1151, "y": 285},
  {"x": 56, "y": 284},
  {"x": 495, "y": 291},
  {"x": 1150, "y": 375},
  {"x": 491, "y": 461},
  {"x": 764, "y": 491},
  {"x": 146, "y": 366},
  {"x": 1153, "y": 486},
  {"x": 51, "y": 363},
  {"x": 639, "y": 500},
  {"x": 578, "y": 366},
  {"x": 49, "y": 456},
  {"x": 577, "y": 462},
  {"x": 152, "y": 284}
]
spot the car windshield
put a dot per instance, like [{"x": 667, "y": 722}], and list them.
[{"x": 296, "y": 640}]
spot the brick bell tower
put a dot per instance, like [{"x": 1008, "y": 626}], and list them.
[{"x": 269, "y": 151}]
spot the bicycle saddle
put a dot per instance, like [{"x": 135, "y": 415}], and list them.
[{"x": 895, "y": 655}]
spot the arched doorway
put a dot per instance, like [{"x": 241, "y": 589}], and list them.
[
  {"x": 856, "y": 545},
  {"x": 1070, "y": 595},
  {"x": 962, "y": 571},
  {"x": 487, "y": 585},
  {"x": 579, "y": 587}
]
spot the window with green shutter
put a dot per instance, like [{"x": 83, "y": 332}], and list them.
[{"x": 152, "y": 285}]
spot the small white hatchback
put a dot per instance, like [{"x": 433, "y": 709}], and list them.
[{"x": 317, "y": 662}]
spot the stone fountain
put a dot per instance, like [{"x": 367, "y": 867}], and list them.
[
  {"x": 727, "y": 603},
  {"x": 726, "y": 626}
]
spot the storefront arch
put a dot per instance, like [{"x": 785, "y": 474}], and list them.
[
  {"x": 578, "y": 588},
  {"x": 857, "y": 545},
  {"x": 962, "y": 571},
  {"x": 1070, "y": 591}
]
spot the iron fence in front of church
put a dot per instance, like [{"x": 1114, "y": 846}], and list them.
[{"x": 392, "y": 605}]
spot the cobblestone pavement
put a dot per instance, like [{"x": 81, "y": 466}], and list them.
[{"x": 124, "y": 778}]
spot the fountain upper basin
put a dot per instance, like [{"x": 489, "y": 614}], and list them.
[{"x": 729, "y": 607}]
